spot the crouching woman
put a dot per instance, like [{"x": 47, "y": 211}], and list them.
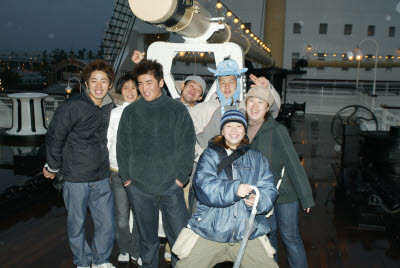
[{"x": 224, "y": 173}]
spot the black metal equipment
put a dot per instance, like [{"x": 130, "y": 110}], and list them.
[{"x": 369, "y": 169}]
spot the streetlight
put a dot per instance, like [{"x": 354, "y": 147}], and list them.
[
  {"x": 68, "y": 89},
  {"x": 359, "y": 57}
]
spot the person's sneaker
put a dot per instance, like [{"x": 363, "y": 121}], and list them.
[
  {"x": 167, "y": 256},
  {"x": 123, "y": 257},
  {"x": 82, "y": 266},
  {"x": 139, "y": 261},
  {"x": 103, "y": 265}
]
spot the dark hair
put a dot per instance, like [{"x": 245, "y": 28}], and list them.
[
  {"x": 220, "y": 141},
  {"x": 122, "y": 80},
  {"x": 149, "y": 67},
  {"x": 98, "y": 65}
]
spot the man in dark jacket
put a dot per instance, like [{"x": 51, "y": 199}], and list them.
[
  {"x": 155, "y": 151},
  {"x": 76, "y": 147}
]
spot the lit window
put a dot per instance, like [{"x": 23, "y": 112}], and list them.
[{"x": 371, "y": 30}]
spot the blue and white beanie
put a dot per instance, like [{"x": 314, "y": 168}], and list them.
[
  {"x": 233, "y": 116},
  {"x": 226, "y": 68}
]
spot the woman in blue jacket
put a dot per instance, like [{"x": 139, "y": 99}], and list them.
[{"x": 225, "y": 200}]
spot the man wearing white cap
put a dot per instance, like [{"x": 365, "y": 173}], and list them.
[{"x": 192, "y": 90}]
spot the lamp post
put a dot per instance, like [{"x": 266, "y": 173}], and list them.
[
  {"x": 359, "y": 57},
  {"x": 68, "y": 89}
]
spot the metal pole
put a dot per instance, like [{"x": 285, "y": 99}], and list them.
[
  {"x": 376, "y": 63},
  {"x": 358, "y": 73}
]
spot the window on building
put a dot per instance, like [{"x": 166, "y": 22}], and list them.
[
  {"x": 295, "y": 58},
  {"x": 296, "y": 28},
  {"x": 321, "y": 57},
  {"x": 371, "y": 30},
  {"x": 348, "y": 29},
  {"x": 392, "y": 31},
  {"x": 323, "y": 28}
]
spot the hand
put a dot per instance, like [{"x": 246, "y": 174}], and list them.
[
  {"x": 307, "y": 210},
  {"x": 259, "y": 81},
  {"x": 47, "y": 174},
  {"x": 179, "y": 183},
  {"x": 250, "y": 201},
  {"x": 137, "y": 56},
  {"x": 243, "y": 190}
]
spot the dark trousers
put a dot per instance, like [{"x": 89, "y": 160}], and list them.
[
  {"x": 146, "y": 208},
  {"x": 127, "y": 242}
]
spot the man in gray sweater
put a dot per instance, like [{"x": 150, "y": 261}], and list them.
[{"x": 155, "y": 152}]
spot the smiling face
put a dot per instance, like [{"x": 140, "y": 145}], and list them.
[
  {"x": 233, "y": 133},
  {"x": 256, "y": 108},
  {"x": 129, "y": 92},
  {"x": 191, "y": 93},
  {"x": 227, "y": 85},
  {"x": 149, "y": 87},
  {"x": 98, "y": 84}
]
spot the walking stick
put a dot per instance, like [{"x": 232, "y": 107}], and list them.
[{"x": 250, "y": 228}]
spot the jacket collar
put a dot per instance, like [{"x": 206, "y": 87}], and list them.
[
  {"x": 107, "y": 99},
  {"x": 268, "y": 125}
]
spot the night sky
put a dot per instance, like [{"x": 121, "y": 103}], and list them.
[{"x": 50, "y": 24}]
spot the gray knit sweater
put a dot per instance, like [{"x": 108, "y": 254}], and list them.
[{"x": 155, "y": 144}]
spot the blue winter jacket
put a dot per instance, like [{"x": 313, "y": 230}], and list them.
[{"x": 220, "y": 214}]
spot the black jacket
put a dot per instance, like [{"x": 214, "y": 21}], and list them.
[{"x": 76, "y": 140}]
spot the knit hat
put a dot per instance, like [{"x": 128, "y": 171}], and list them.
[
  {"x": 199, "y": 80},
  {"x": 227, "y": 67},
  {"x": 233, "y": 116},
  {"x": 263, "y": 93}
]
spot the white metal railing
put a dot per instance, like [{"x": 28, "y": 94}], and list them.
[
  {"x": 327, "y": 101},
  {"x": 51, "y": 102}
]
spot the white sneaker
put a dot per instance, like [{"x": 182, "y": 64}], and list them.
[
  {"x": 103, "y": 265},
  {"x": 123, "y": 257},
  {"x": 167, "y": 256},
  {"x": 82, "y": 266},
  {"x": 139, "y": 261}
]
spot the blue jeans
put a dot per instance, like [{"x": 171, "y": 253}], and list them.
[
  {"x": 145, "y": 207},
  {"x": 98, "y": 197},
  {"x": 127, "y": 242},
  {"x": 286, "y": 218}
]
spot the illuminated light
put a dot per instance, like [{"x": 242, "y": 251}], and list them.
[
  {"x": 158, "y": 37},
  {"x": 242, "y": 26},
  {"x": 380, "y": 57},
  {"x": 324, "y": 55},
  {"x": 315, "y": 54},
  {"x": 255, "y": 38},
  {"x": 219, "y": 5},
  {"x": 261, "y": 43},
  {"x": 387, "y": 57},
  {"x": 351, "y": 57},
  {"x": 373, "y": 57},
  {"x": 247, "y": 30},
  {"x": 229, "y": 14},
  {"x": 392, "y": 57},
  {"x": 258, "y": 41},
  {"x": 308, "y": 48},
  {"x": 236, "y": 20},
  {"x": 181, "y": 53},
  {"x": 251, "y": 35},
  {"x": 68, "y": 91},
  {"x": 398, "y": 57},
  {"x": 365, "y": 56},
  {"x": 144, "y": 53},
  {"x": 202, "y": 54},
  {"x": 334, "y": 55}
]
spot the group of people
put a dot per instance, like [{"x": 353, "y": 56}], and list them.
[{"x": 145, "y": 151}]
